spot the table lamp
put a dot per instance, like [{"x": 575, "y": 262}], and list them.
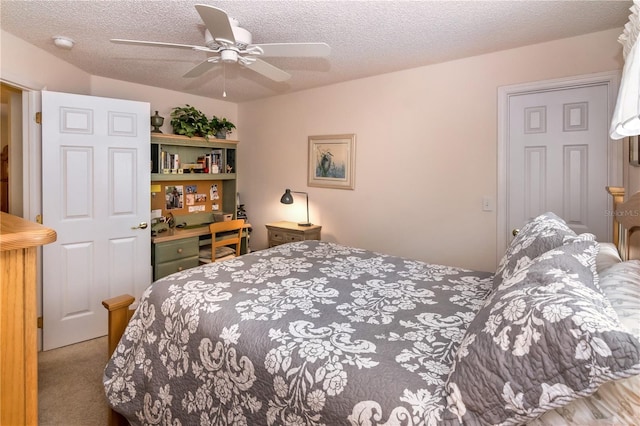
[{"x": 287, "y": 198}]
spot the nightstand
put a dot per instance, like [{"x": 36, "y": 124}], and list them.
[{"x": 286, "y": 232}]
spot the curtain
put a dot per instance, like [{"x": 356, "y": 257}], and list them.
[{"x": 626, "y": 116}]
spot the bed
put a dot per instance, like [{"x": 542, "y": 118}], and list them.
[{"x": 316, "y": 333}]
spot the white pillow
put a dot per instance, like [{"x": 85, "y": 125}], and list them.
[
  {"x": 607, "y": 256},
  {"x": 614, "y": 403},
  {"x": 621, "y": 284}
]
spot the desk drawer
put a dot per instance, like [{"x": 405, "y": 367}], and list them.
[
  {"x": 167, "y": 268},
  {"x": 175, "y": 250}
]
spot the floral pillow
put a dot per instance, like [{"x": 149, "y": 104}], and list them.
[
  {"x": 544, "y": 337},
  {"x": 539, "y": 235}
]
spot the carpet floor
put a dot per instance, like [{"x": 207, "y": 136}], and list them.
[{"x": 70, "y": 391}]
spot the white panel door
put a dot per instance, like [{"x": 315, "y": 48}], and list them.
[
  {"x": 95, "y": 186},
  {"x": 558, "y": 157}
]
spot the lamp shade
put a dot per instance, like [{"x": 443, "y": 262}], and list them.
[{"x": 287, "y": 198}]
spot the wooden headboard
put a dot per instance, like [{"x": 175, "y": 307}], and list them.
[{"x": 626, "y": 223}]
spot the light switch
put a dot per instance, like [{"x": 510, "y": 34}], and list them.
[{"x": 488, "y": 204}]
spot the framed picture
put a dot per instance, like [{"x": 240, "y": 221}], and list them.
[
  {"x": 634, "y": 156},
  {"x": 332, "y": 161}
]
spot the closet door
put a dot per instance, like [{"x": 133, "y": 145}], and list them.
[{"x": 558, "y": 157}]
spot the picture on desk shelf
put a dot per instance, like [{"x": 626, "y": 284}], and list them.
[
  {"x": 191, "y": 199},
  {"x": 192, "y": 189},
  {"x": 173, "y": 197},
  {"x": 201, "y": 198}
]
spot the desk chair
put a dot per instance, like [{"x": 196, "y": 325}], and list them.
[{"x": 225, "y": 248}]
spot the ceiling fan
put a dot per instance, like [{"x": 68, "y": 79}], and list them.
[{"x": 227, "y": 43}]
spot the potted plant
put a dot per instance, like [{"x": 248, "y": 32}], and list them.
[
  {"x": 189, "y": 121},
  {"x": 221, "y": 127}
]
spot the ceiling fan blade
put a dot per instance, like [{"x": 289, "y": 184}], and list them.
[
  {"x": 200, "y": 69},
  {"x": 155, "y": 44},
  {"x": 217, "y": 22},
  {"x": 295, "y": 49},
  {"x": 268, "y": 70}
]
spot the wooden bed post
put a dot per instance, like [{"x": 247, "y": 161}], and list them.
[
  {"x": 618, "y": 197},
  {"x": 119, "y": 315}
]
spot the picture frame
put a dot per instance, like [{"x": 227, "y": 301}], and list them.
[
  {"x": 332, "y": 161},
  {"x": 634, "y": 154}
]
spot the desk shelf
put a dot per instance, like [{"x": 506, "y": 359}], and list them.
[{"x": 166, "y": 177}]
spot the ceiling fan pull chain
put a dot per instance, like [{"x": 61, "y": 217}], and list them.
[{"x": 224, "y": 80}]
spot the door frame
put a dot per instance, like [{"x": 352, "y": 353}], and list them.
[
  {"x": 615, "y": 149},
  {"x": 31, "y": 143},
  {"x": 31, "y": 165}
]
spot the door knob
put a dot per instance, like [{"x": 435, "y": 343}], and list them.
[
  {"x": 142, "y": 225},
  {"x": 514, "y": 232}
]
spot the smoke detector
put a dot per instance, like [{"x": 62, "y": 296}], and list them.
[{"x": 63, "y": 42}]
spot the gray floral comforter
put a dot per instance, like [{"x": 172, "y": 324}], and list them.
[{"x": 306, "y": 333}]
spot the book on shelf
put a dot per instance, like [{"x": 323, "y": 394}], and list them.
[
  {"x": 167, "y": 162},
  {"x": 213, "y": 162},
  {"x": 216, "y": 158},
  {"x": 193, "y": 167}
]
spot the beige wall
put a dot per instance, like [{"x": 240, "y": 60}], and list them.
[
  {"x": 164, "y": 101},
  {"x": 426, "y": 143},
  {"x": 426, "y": 150},
  {"x": 25, "y": 65}
]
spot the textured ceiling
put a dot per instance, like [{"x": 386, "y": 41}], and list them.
[{"x": 366, "y": 37}]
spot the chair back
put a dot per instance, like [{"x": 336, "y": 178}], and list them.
[{"x": 218, "y": 228}]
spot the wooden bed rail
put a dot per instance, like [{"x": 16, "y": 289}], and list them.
[{"x": 119, "y": 316}]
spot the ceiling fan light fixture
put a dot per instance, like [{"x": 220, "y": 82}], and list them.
[{"x": 229, "y": 56}]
